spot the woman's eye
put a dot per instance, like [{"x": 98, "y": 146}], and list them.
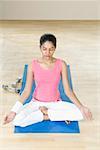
[{"x": 49, "y": 50}]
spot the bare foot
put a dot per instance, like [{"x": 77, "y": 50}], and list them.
[
  {"x": 46, "y": 117},
  {"x": 67, "y": 121},
  {"x": 44, "y": 110}
]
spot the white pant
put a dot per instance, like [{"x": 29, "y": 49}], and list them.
[{"x": 57, "y": 111}]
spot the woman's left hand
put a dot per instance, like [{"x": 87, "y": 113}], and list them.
[{"x": 86, "y": 113}]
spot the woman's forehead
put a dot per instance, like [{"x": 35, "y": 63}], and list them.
[{"x": 48, "y": 44}]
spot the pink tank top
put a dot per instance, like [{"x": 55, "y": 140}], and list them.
[{"x": 47, "y": 81}]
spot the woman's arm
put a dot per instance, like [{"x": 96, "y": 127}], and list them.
[
  {"x": 87, "y": 114},
  {"x": 19, "y": 104},
  {"x": 29, "y": 81},
  {"x": 67, "y": 89}
]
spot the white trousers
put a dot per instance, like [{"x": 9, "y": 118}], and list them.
[{"x": 57, "y": 111}]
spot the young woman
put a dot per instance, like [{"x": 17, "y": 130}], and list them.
[{"x": 46, "y": 103}]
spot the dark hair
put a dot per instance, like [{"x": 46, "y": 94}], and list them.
[{"x": 48, "y": 37}]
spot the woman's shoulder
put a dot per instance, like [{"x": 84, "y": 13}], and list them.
[
  {"x": 34, "y": 59},
  {"x": 31, "y": 63},
  {"x": 37, "y": 59},
  {"x": 63, "y": 62}
]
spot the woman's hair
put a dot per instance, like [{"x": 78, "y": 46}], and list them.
[{"x": 48, "y": 37}]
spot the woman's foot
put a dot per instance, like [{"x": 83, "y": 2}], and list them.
[
  {"x": 44, "y": 110},
  {"x": 46, "y": 117}
]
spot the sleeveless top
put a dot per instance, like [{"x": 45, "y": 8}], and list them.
[{"x": 47, "y": 81}]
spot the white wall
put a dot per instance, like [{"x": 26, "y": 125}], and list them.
[{"x": 46, "y": 10}]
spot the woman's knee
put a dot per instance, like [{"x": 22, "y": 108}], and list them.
[{"x": 18, "y": 119}]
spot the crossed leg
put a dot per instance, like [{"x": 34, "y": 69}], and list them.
[
  {"x": 62, "y": 110},
  {"x": 36, "y": 112},
  {"x": 28, "y": 115}
]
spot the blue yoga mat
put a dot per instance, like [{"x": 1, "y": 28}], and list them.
[{"x": 48, "y": 126}]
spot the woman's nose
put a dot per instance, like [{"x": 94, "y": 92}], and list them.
[{"x": 48, "y": 52}]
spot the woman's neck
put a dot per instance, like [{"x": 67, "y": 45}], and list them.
[{"x": 47, "y": 59}]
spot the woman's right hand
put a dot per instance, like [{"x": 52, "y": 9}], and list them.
[{"x": 9, "y": 117}]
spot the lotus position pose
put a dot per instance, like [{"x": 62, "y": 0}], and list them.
[{"x": 46, "y": 103}]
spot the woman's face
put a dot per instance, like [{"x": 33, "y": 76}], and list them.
[{"x": 47, "y": 49}]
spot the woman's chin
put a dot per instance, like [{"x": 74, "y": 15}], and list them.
[{"x": 47, "y": 57}]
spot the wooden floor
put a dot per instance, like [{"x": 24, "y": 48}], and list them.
[{"x": 78, "y": 43}]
